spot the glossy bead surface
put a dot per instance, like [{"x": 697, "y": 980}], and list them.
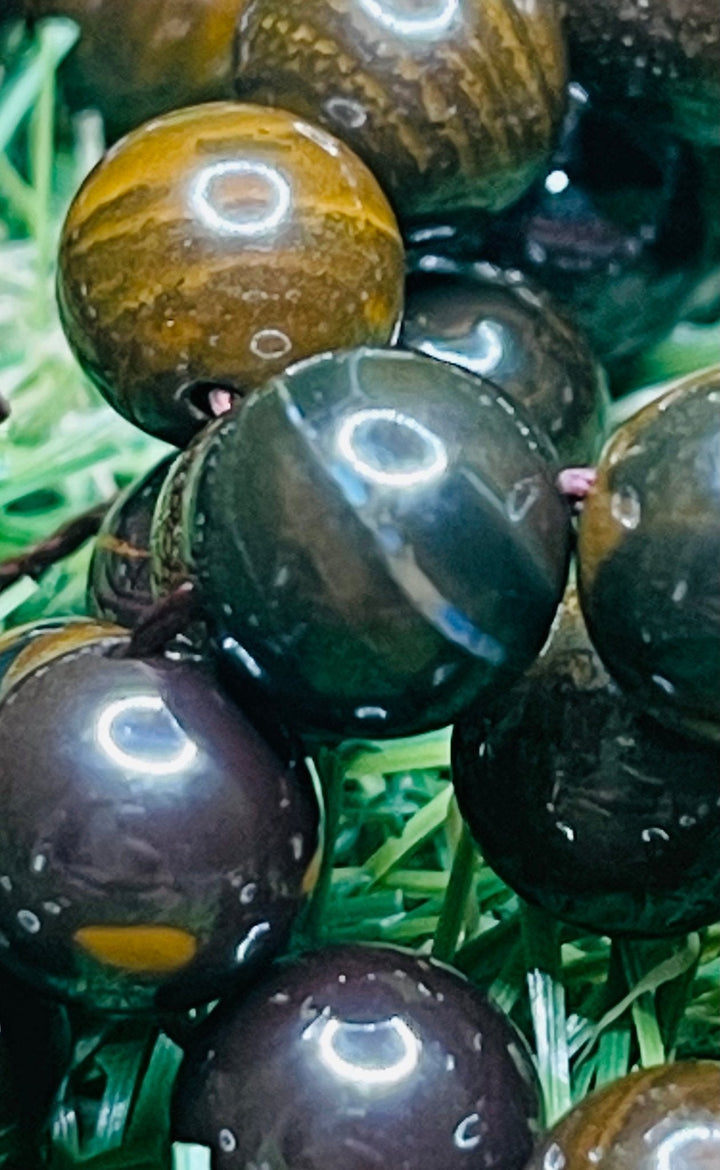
[
  {"x": 494, "y": 324},
  {"x": 154, "y": 846},
  {"x": 450, "y": 103},
  {"x": 657, "y": 59},
  {"x": 377, "y": 539},
  {"x": 649, "y": 554},
  {"x": 587, "y": 807},
  {"x": 663, "y": 1118},
  {"x": 119, "y": 587},
  {"x": 360, "y": 1057},
  {"x": 136, "y": 60},
  {"x": 616, "y": 230},
  {"x": 217, "y": 245}
]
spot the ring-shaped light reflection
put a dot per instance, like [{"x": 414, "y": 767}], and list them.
[
  {"x": 488, "y": 349},
  {"x": 106, "y": 736},
  {"x": 434, "y": 19},
  {"x": 362, "y": 1074},
  {"x": 432, "y": 466},
  {"x": 677, "y": 1142},
  {"x": 278, "y": 191}
]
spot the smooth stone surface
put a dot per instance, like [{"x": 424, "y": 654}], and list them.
[
  {"x": 616, "y": 230},
  {"x": 360, "y": 1057},
  {"x": 451, "y": 104},
  {"x": 377, "y": 539},
  {"x": 119, "y": 584},
  {"x": 154, "y": 846},
  {"x": 657, "y": 59},
  {"x": 587, "y": 807},
  {"x": 493, "y": 323},
  {"x": 649, "y": 555},
  {"x": 218, "y": 245},
  {"x": 664, "y": 1118},
  {"x": 136, "y": 60}
]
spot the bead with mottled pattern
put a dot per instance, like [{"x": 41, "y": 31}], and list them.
[
  {"x": 451, "y": 103},
  {"x": 662, "y": 1118},
  {"x": 218, "y": 245}
]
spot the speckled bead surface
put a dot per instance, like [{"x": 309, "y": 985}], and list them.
[
  {"x": 136, "y": 60},
  {"x": 587, "y": 807},
  {"x": 217, "y": 245},
  {"x": 493, "y": 323},
  {"x": 452, "y": 103},
  {"x": 154, "y": 846},
  {"x": 663, "y": 1118},
  {"x": 119, "y": 588},
  {"x": 649, "y": 555},
  {"x": 616, "y": 230},
  {"x": 377, "y": 540},
  {"x": 658, "y": 59},
  {"x": 360, "y": 1057}
]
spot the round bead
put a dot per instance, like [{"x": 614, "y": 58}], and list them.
[
  {"x": 119, "y": 587},
  {"x": 615, "y": 230},
  {"x": 656, "y": 59},
  {"x": 649, "y": 552},
  {"x": 377, "y": 540},
  {"x": 494, "y": 324},
  {"x": 658, "y": 1119},
  {"x": 450, "y": 103},
  {"x": 154, "y": 846},
  {"x": 587, "y": 807},
  {"x": 217, "y": 245},
  {"x": 371, "y": 1057},
  {"x": 136, "y": 60}
]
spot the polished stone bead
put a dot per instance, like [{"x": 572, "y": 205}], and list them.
[
  {"x": 452, "y": 103},
  {"x": 359, "y": 1057},
  {"x": 649, "y": 555},
  {"x": 377, "y": 540},
  {"x": 616, "y": 230},
  {"x": 657, "y": 60},
  {"x": 119, "y": 586},
  {"x": 493, "y": 323},
  {"x": 663, "y": 1118},
  {"x": 218, "y": 245},
  {"x": 154, "y": 846},
  {"x": 588, "y": 807},
  {"x": 136, "y": 59}
]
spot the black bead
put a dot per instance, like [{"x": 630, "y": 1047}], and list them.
[{"x": 360, "y": 1057}]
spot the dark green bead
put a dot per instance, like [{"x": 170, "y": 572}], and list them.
[
  {"x": 588, "y": 807},
  {"x": 377, "y": 539}
]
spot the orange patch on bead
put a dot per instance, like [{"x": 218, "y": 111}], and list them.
[{"x": 146, "y": 950}]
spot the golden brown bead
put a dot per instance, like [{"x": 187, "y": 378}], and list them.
[
  {"x": 657, "y": 1119},
  {"x": 452, "y": 104},
  {"x": 137, "y": 59},
  {"x": 219, "y": 244}
]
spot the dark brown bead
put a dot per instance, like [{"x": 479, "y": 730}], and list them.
[
  {"x": 360, "y": 1057},
  {"x": 616, "y": 230},
  {"x": 657, "y": 1119},
  {"x": 136, "y": 59},
  {"x": 119, "y": 588},
  {"x": 377, "y": 539},
  {"x": 587, "y": 807},
  {"x": 154, "y": 846},
  {"x": 649, "y": 555},
  {"x": 217, "y": 245},
  {"x": 451, "y": 104},
  {"x": 656, "y": 59},
  {"x": 495, "y": 324}
]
